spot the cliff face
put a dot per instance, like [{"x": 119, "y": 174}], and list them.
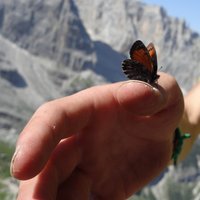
[
  {"x": 50, "y": 29},
  {"x": 26, "y": 81},
  {"x": 44, "y": 47},
  {"x": 97, "y": 34},
  {"x": 120, "y": 23},
  {"x": 53, "y": 48}
]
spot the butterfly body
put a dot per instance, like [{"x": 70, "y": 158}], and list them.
[{"x": 143, "y": 63}]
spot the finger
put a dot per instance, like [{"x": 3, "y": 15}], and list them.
[
  {"x": 39, "y": 188},
  {"x": 64, "y": 160},
  {"x": 164, "y": 104},
  {"x": 143, "y": 99},
  {"x": 191, "y": 121},
  {"x": 173, "y": 94},
  {"x": 51, "y": 122},
  {"x": 171, "y": 114},
  {"x": 35, "y": 189},
  {"x": 140, "y": 98}
]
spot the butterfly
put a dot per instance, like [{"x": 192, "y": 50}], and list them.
[{"x": 143, "y": 63}]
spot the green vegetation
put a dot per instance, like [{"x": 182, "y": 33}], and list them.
[
  {"x": 5, "y": 193},
  {"x": 6, "y": 152}
]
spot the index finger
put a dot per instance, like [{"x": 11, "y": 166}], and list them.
[{"x": 51, "y": 122}]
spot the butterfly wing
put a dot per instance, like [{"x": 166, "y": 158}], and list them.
[
  {"x": 153, "y": 55},
  {"x": 140, "y": 53},
  {"x": 143, "y": 63},
  {"x": 136, "y": 71},
  {"x": 152, "y": 52}
]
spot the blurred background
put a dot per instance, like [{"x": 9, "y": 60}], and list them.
[{"x": 53, "y": 48}]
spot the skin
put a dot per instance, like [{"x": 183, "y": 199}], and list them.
[
  {"x": 105, "y": 142},
  {"x": 190, "y": 122}
]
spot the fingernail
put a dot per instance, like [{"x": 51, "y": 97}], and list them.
[
  {"x": 134, "y": 87},
  {"x": 12, "y": 170},
  {"x": 140, "y": 97}
]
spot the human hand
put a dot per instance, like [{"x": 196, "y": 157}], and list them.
[
  {"x": 105, "y": 142},
  {"x": 190, "y": 122}
]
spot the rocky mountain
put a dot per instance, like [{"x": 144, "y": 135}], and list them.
[
  {"x": 49, "y": 29},
  {"x": 122, "y": 22},
  {"x": 39, "y": 57},
  {"x": 27, "y": 81},
  {"x": 53, "y": 48}
]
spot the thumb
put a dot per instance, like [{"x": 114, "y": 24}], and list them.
[{"x": 140, "y": 98}]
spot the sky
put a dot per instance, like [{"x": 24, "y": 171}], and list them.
[{"x": 184, "y": 9}]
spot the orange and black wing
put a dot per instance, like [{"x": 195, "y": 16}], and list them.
[
  {"x": 140, "y": 54},
  {"x": 152, "y": 52},
  {"x": 143, "y": 63}
]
